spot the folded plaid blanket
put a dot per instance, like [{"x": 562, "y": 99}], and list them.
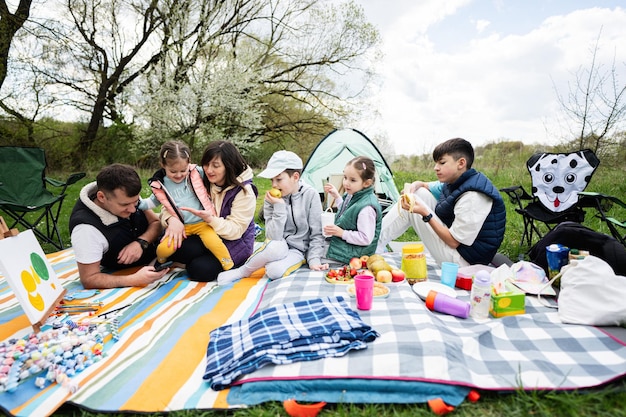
[{"x": 300, "y": 331}]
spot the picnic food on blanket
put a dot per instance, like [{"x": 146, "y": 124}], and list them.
[
  {"x": 343, "y": 275},
  {"x": 379, "y": 265},
  {"x": 380, "y": 290},
  {"x": 374, "y": 265},
  {"x": 414, "y": 263},
  {"x": 397, "y": 275},
  {"x": 383, "y": 276},
  {"x": 373, "y": 258},
  {"x": 355, "y": 263}
]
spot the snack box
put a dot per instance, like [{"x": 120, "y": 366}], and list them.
[
  {"x": 508, "y": 303},
  {"x": 465, "y": 275},
  {"x": 464, "y": 281}
]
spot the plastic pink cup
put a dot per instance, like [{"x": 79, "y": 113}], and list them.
[{"x": 364, "y": 291}]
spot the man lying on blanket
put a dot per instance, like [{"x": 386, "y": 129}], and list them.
[{"x": 108, "y": 231}]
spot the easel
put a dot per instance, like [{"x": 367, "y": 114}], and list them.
[
  {"x": 37, "y": 326},
  {"x": 6, "y": 233}
]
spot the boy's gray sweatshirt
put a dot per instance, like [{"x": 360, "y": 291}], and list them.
[{"x": 298, "y": 222}]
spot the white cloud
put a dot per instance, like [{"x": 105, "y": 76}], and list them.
[
  {"x": 481, "y": 25},
  {"x": 448, "y": 73}
]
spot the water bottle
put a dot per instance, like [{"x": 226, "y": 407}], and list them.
[
  {"x": 480, "y": 295},
  {"x": 442, "y": 303}
]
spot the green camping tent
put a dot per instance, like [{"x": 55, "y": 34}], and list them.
[{"x": 331, "y": 155}]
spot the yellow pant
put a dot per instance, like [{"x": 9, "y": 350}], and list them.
[{"x": 210, "y": 239}]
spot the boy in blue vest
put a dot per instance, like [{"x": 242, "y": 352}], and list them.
[{"x": 459, "y": 218}]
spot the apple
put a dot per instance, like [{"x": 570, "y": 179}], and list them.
[
  {"x": 383, "y": 276},
  {"x": 355, "y": 263},
  {"x": 364, "y": 259},
  {"x": 275, "y": 192},
  {"x": 397, "y": 275},
  {"x": 365, "y": 272}
]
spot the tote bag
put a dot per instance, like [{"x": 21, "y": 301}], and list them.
[{"x": 592, "y": 294}]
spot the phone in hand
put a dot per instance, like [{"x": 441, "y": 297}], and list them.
[{"x": 163, "y": 266}]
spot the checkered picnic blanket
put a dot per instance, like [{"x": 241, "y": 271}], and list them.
[
  {"x": 530, "y": 351},
  {"x": 301, "y": 331}
]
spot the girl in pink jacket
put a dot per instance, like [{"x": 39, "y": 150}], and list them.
[{"x": 179, "y": 184}]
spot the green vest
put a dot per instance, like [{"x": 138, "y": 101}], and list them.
[{"x": 347, "y": 217}]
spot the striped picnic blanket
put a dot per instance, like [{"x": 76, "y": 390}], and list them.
[{"x": 158, "y": 362}]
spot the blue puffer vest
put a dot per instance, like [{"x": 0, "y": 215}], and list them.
[
  {"x": 118, "y": 234},
  {"x": 491, "y": 234}
]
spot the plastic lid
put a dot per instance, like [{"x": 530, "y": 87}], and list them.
[
  {"x": 430, "y": 299},
  {"x": 413, "y": 248},
  {"x": 482, "y": 277},
  {"x": 554, "y": 246},
  {"x": 302, "y": 410}
]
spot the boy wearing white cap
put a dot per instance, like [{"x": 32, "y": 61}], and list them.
[{"x": 293, "y": 225}]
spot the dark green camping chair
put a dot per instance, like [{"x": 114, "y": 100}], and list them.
[
  {"x": 604, "y": 205},
  {"x": 24, "y": 196}
]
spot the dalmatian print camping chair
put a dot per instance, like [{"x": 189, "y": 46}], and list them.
[{"x": 556, "y": 178}]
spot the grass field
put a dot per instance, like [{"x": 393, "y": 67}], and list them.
[{"x": 604, "y": 401}]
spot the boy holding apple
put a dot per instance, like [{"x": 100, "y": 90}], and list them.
[
  {"x": 460, "y": 218},
  {"x": 293, "y": 224}
]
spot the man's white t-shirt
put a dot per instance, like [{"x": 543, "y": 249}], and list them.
[{"x": 88, "y": 243}]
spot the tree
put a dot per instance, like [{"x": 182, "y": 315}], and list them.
[
  {"x": 96, "y": 53},
  {"x": 250, "y": 70},
  {"x": 259, "y": 73},
  {"x": 10, "y": 23},
  {"x": 596, "y": 105}
]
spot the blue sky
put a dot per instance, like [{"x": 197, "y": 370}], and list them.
[{"x": 485, "y": 70}]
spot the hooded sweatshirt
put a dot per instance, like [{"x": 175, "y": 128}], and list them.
[{"x": 298, "y": 222}]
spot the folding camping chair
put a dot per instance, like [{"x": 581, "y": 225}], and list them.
[
  {"x": 24, "y": 196},
  {"x": 556, "y": 178},
  {"x": 603, "y": 203}
]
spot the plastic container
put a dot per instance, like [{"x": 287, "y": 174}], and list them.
[
  {"x": 464, "y": 281},
  {"x": 414, "y": 263},
  {"x": 442, "y": 303},
  {"x": 557, "y": 256},
  {"x": 480, "y": 295}
]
